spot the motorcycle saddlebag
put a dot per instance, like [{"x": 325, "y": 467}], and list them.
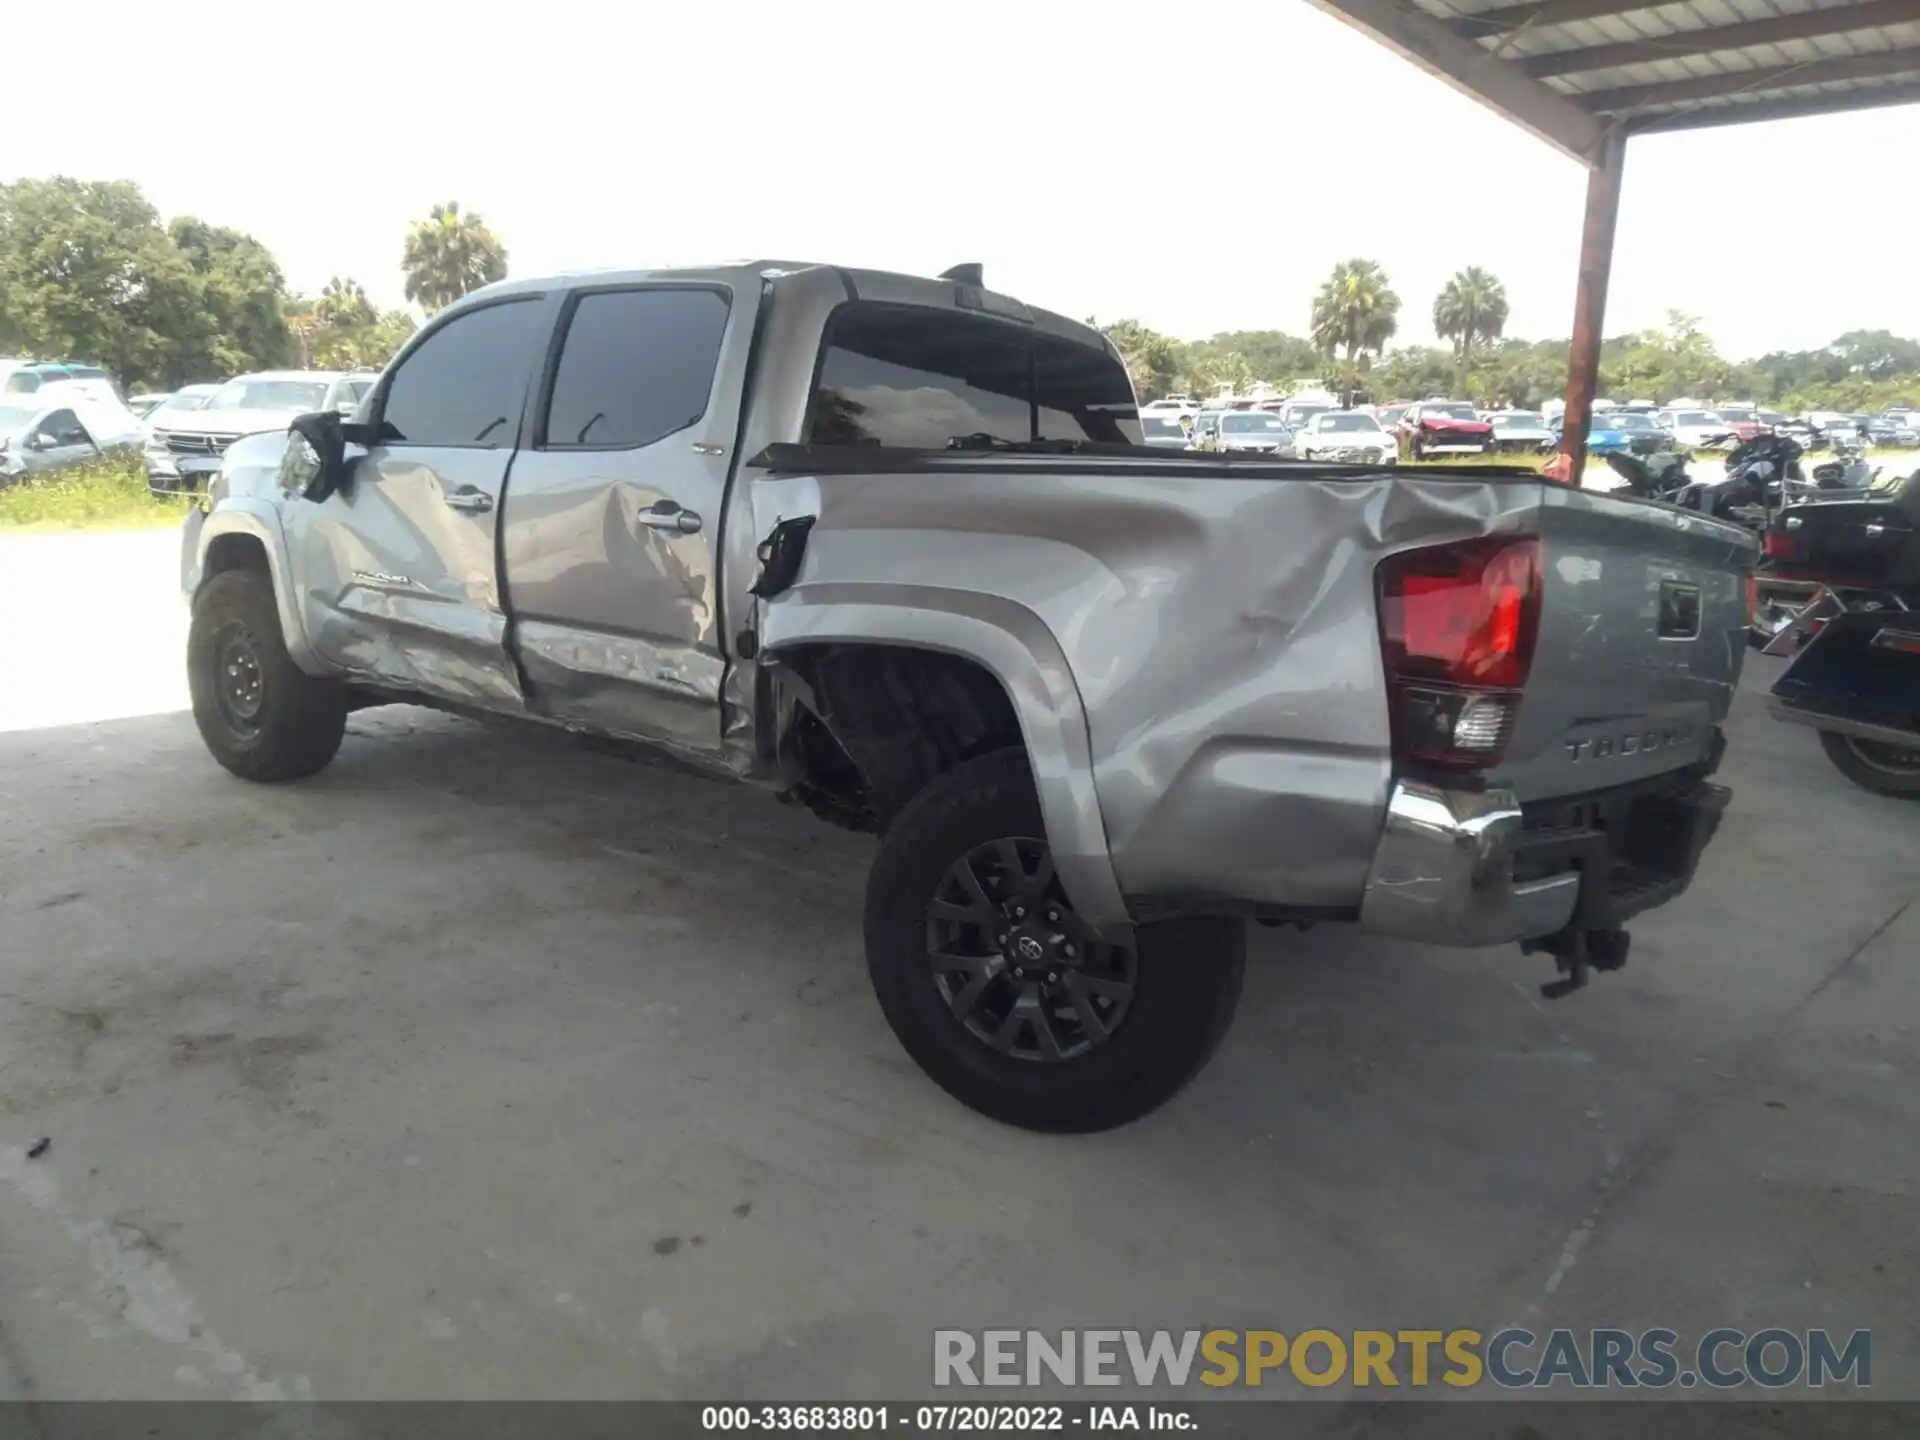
[
  {"x": 1863, "y": 668},
  {"x": 1870, "y": 541}
]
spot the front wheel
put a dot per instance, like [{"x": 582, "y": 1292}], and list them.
[
  {"x": 1873, "y": 765},
  {"x": 262, "y": 716},
  {"x": 1003, "y": 995}
]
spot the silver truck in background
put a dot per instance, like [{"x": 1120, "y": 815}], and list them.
[{"x": 890, "y": 547}]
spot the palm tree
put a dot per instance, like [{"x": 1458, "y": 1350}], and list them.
[
  {"x": 449, "y": 254},
  {"x": 1355, "y": 311},
  {"x": 343, "y": 305},
  {"x": 1471, "y": 310}
]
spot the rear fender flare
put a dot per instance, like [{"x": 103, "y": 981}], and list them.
[{"x": 1015, "y": 646}]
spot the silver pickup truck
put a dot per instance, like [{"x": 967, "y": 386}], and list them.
[{"x": 889, "y": 546}]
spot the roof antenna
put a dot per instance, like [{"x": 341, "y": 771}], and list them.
[{"x": 968, "y": 274}]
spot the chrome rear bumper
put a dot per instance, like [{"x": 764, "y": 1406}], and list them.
[{"x": 1444, "y": 872}]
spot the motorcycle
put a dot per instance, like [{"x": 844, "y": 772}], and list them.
[
  {"x": 1848, "y": 470},
  {"x": 1855, "y": 672},
  {"x": 1661, "y": 475}
]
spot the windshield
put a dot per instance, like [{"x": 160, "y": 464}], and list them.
[
  {"x": 14, "y": 417},
  {"x": 178, "y": 404},
  {"x": 1347, "y": 422},
  {"x": 1155, "y": 427},
  {"x": 1628, "y": 420},
  {"x": 1695, "y": 417},
  {"x": 1452, "y": 412},
  {"x": 269, "y": 395},
  {"x": 1303, "y": 413},
  {"x": 1521, "y": 419},
  {"x": 1250, "y": 423}
]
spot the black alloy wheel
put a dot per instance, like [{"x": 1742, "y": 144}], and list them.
[{"x": 1013, "y": 962}]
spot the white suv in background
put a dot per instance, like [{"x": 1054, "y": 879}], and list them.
[{"x": 184, "y": 448}]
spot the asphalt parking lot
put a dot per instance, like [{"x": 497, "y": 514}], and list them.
[{"x": 483, "y": 1065}]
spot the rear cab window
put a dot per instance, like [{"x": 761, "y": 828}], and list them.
[{"x": 920, "y": 377}]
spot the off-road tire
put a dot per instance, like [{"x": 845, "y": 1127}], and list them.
[
  {"x": 1850, "y": 763},
  {"x": 299, "y": 721},
  {"x": 1187, "y": 978}
]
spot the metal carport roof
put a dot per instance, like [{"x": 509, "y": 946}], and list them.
[
  {"x": 1586, "y": 75},
  {"x": 1576, "y": 71}
]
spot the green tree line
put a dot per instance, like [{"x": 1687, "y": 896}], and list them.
[
  {"x": 89, "y": 272},
  {"x": 1355, "y": 315}
]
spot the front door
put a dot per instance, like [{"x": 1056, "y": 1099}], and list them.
[
  {"x": 613, "y": 516},
  {"x": 58, "y": 440},
  {"x": 398, "y": 572}
]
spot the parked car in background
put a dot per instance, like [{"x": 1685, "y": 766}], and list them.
[
  {"x": 48, "y": 431},
  {"x": 1443, "y": 427},
  {"x": 1205, "y": 432},
  {"x": 184, "y": 401},
  {"x": 187, "y": 397},
  {"x": 1254, "y": 430},
  {"x": 1743, "y": 419},
  {"x": 1697, "y": 429},
  {"x": 1621, "y": 432},
  {"x": 184, "y": 447},
  {"x": 1897, "y": 431},
  {"x": 1346, "y": 435},
  {"x": 1162, "y": 429},
  {"x": 30, "y": 377},
  {"x": 1389, "y": 416},
  {"x": 1645, "y": 436},
  {"x": 1295, "y": 413},
  {"x": 1525, "y": 430}
]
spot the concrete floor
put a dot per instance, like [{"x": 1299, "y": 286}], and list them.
[{"x": 485, "y": 1066}]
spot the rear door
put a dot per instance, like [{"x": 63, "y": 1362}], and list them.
[
  {"x": 398, "y": 573},
  {"x": 613, "y": 519}
]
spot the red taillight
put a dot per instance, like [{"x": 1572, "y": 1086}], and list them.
[
  {"x": 1778, "y": 545},
  {"x": 1457, "y": 628}
]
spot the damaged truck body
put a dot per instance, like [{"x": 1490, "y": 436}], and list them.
[{"x": 889, "y": 546}]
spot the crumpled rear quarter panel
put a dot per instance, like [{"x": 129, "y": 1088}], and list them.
[{"x": 1221, "y": 633}]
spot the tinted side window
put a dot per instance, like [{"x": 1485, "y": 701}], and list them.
[
  {"x": 1083, "y": 393},
  {"x": 921, "y": 377},
  {"x": 900, "y": 375},
  {"x": 465, "y": 384},
  {"x": 636, "y": 365}
]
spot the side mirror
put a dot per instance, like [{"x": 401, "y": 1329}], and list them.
[{"x": 315, "y": 463}]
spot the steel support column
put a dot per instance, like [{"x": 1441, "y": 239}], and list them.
[{"x": 1590, "y": 303}]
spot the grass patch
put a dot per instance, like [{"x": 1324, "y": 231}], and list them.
[{"x": 105, "y": 494}]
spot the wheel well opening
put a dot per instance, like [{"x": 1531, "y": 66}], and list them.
[
  {"x": 868, "y": 727},
  {"x": 235, "y": 552}
]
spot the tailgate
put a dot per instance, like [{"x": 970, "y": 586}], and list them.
[{"x": 1643, "y": 629}]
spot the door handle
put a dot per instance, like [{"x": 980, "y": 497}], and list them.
[
  {"x": 668, "y": 515},
  {"x": 470, "y": 500}
]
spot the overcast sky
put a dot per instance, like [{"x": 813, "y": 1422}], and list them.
[{"x": 1198, "y": 167}]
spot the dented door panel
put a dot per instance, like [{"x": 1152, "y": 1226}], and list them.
[
  {"x": 611, "y": 554},
  {"x": 398, "y": 585}
]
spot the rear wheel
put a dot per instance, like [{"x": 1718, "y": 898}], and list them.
[
  {"x": 1006, "y": 997},
  {"x": 262, "y": 716},
  {"x": 1882, "y": 768}
]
